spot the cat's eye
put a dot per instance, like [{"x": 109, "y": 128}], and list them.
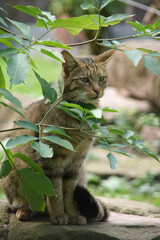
[
  {"x": 101, "y": 79},
  {"x": 84, "y": 80}
]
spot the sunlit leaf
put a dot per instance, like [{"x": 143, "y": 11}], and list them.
[
  {"x": 56, "y": 55},
  {"x": 44, "y": 150},
  {"x": 153, "y": 64},
  {"x": 59, "y": 141},
  {"x": 18, "y": 68},
  {"x": 52, "y": 43},
  {"x": 127, "y": 134},
  {"x": 23, "y": 28},
  {"x": 20, "y": 140},
  {"x": 134, "y": 55},
  {"x": 2, "y": 80},
  {"x": 122, "y": 152}
]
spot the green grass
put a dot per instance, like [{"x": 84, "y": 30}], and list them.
[
  {"x": 145, "y": 189},
  {"x": 47, "y": 68}
]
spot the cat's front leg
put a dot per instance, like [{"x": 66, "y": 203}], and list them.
[
  {"x": 55, "y": 204},
  {"x": 69, "y": 204}
]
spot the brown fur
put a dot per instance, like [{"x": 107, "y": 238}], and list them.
[{"x": 65, "y": 169}]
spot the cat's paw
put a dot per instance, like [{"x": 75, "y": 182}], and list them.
[
  {"x": 23, "y": 214},
  {"x": 59, "y": 219},
  {"x": 77, "y": 220}
]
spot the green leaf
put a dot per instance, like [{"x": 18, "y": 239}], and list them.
[
  {"x": 56, "y": 55},
  {"x": 23, "y": 28},
  {"x": 116, "y": 18},
  {"x": 112, "y": 160},
  {"x": 20, "y": 140},
  {"x": 48, "y": 92},
  {"x": 72, "y": 105},
  {"x": 3, "y": 22},
  {"x": 9, "y": 36},
  {"x": 44, "y": 150},
  {"x": 7, "y": 51},
  {"x": 75, "y": 25},
  {"x": 6, "y": 42},
  {"x": 103, "y": 146},
  {"x": 2, "y": 80},
  {"x": 57, "y": 130},
  {"x": 137, "y": 26},
  {"x": 18, "y": 68},
  {"x": 134, "y": 55},
  {"x": 105, "y": 109},
  {"x": 97, "y": 112},
  {"x": 116, "y": 131},
  {"x": 5, "y": 168},
  {"x": 11, "y": 98},
  {"x": 127, "y": 134},
  {"x": 38, "y": 180},
  {"x": 35, "y": 199},
  {"x": 150, "y": 154},
  {"x": 57, "y": 140},
  {"x": 152, "y": 64},
  {"x": 103, "y": 130},
  {"x": 105, "y": 3},
  {"x": 29, "y": 161},
  {"x": 86, "y": 6},
  {"x": 117, "y": 145},
  {"x": 122, "y": 152},
  {"x": 52, "y": 43},
  {"x": 14, "y": 109},
  {"x": 30, "y": 10},
  {"x": 26, "y": 124}
]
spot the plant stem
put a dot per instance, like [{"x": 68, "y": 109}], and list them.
[
  {"x": 10, "y": 160},
  {"x": 54, "y": 105}
]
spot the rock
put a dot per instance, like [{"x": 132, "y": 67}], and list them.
[
  {"x": 152, "y": 135},
  {"x": 120, "y": 101},
  {"x": 139, "y": 81},
  {"x": 136, "y": 167},
  {"x": 119, "y": 227}
]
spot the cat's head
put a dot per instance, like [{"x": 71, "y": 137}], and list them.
[{"x": 84, "y": 78}]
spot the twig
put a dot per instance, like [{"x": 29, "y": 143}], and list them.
[
  {"x": 10, "y": 129},
  {"x": 141, "y": 6},
  {"x": 16, "y": 34}
]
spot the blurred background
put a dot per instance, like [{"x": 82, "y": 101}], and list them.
[{"x": 134, "y": 91}]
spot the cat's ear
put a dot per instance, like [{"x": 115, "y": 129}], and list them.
[
  {"x": 70, "y": 62},
  {"x": 105, "y": 57}
]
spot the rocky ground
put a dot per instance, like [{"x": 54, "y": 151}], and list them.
[{"x": 122, "y": 225}]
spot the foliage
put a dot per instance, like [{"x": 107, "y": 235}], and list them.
[
  {"x": 18, "y": 60},
  {"x": 144, "y": 189}
]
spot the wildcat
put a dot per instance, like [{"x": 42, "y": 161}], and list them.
[{"x": 85, "y": 80}]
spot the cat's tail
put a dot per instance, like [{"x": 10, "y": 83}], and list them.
[{"x": 94, "y": 209}]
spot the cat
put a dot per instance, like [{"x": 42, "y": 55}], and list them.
[{"x": 85, "y": 80}]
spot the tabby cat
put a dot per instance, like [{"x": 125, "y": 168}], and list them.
[{"x": 84, "y": 81}]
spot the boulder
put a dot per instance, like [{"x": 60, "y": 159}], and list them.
[
  {"x": 138, "y": 81},
  {"x": 119, "y": 227}
]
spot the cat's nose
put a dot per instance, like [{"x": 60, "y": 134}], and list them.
[{"x": 96, "y": 90}]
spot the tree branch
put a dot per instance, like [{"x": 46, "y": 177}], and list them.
[{"x": 72, "y": 44}]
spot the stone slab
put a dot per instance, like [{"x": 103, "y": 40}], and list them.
[{"x": 119, "y": 227}]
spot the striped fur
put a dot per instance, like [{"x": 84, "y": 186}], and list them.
[{"x": 66, "y": 169}]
